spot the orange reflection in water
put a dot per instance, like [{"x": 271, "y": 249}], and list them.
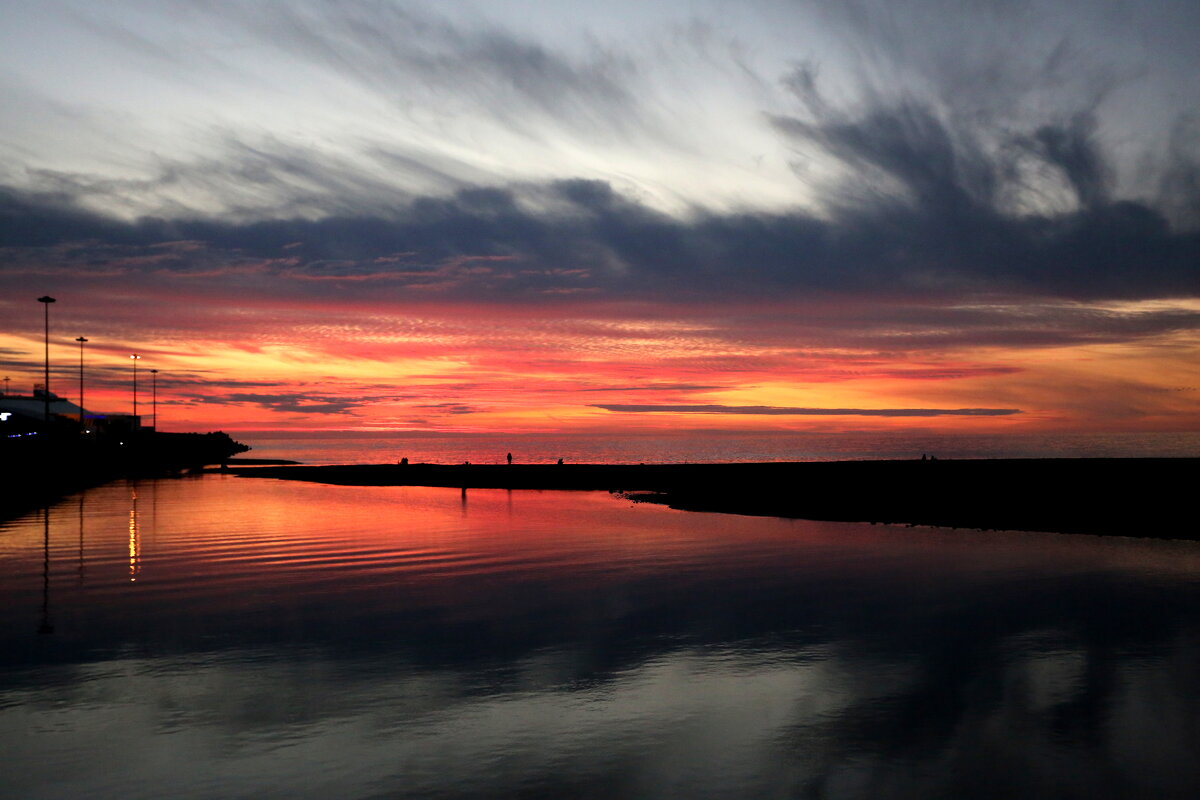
[
  {"x": 225, "y": 544},
  {"x": 135, "y": 546},
  {"x": 245, "y": 531},
  {"x": 227, "y": 538}
]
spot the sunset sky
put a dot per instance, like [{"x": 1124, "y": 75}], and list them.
[{"x": 512, "y": 215}]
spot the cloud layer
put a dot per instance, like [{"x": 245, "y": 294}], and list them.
[
  {"x": 912, "y": 158},
  {"x": 582, "y": 237},
  {"x": 794, "y": 211},
  {"x": 775, "y": 411}
]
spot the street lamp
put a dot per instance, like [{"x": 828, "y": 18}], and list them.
[
  {"x": 46, "y": 301},
  {"x": 154, "y": 398},
  {"x": 135, "y": 358},
  {"x": 82, "y": 424}
]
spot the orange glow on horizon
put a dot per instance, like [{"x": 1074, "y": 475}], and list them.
[{"x": 482, "y": 368}]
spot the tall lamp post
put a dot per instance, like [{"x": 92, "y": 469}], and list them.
[
  {"x": 154, "y": 399},
  {"x": 82, "y": 423},
  {"x": 46, "y": 301},
  {"x": 135, "y": 358}
]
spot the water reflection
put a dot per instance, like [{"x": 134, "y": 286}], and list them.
[
  {"x": 44, "y": 625},
  {"x": 355, "y": 642},
  {"x": 82, "y": 496},
  {"x": 135, "y": 541}
]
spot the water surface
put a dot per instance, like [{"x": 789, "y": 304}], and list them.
[{"x": 225, "y": 637}]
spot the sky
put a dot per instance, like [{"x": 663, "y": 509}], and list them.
[{"x": 518, "y": 216}]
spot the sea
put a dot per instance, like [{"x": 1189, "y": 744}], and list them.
[
  {"x": 705, "y": 447},
  {"x": 214, "y": 636}
]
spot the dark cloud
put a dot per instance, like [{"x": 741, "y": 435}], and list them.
[
  {"x": 1179, "y": 191},
  {"x": 810, "y": 412},
  {"x": 959, "y": 187},
  {"x": 1071, "y": 148},
  {"x": 653, "y": 387},
  {"x": 449, "y": 408},
  {"x": 213, "y": 383},
  {"x": 581, "y": 237},
  {"x": 929, "y": 206},
  {"x": 884, "y": 329},
  {"x": 285, "y": 401}
]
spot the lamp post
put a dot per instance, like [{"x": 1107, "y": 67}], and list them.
[
  {"x": 154, "y": 399},
  {"x": 82, "y": 423},
  {"x": 46, "y": 301},
  {"x": 135, "y": 358}
]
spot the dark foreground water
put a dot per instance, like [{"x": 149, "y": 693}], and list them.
[{"x": 220, "y": 637}]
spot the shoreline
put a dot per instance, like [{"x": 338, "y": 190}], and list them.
[{"x": 1140, "y": 497}]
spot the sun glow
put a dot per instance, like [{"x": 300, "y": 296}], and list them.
[{"x": 488, "y": 368}]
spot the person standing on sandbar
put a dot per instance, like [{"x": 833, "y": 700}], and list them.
[{"x": 509, "y": 457}]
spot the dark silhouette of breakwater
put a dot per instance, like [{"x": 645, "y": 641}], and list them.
[
  {"x": 45, "y": 467},
  {"x": 1146, "y": 497}
]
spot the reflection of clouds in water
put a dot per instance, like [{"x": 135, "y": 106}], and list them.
[
  {"x": 1043, "y": 671},
  {"x": 1154, "y": 726},
  {"x": 1093, "y": 723},
  {"x": 705, "y": 722},
  {"x": 1050, "y": 679},
  {"x": 692, "y": 722}
]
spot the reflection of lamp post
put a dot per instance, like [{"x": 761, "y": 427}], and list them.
[
  {"x": 46, "y": 626},
  {"x": 46, "y": 301},
  {"x": 82, "y": 424},
  {"x": 135, "y": 358},
  {"x": 154, "y": 399}
]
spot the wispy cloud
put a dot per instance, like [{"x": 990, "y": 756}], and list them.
[{"x": 809, "y": 412}]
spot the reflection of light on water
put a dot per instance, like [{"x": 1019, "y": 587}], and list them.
[
  {"x": 81, "y": 495},
  {"x": 135, "y": 548}
]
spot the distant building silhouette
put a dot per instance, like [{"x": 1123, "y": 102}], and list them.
[{"x": 23, "y": 413}]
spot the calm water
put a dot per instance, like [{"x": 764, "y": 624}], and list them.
[
  {"x": 720, "y": 447},
  {"x": 218, "y": 637}
]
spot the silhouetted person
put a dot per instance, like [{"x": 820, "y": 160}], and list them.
[
  {"x": 560, "y": 461},
  {"x": 509, "y": 457}
]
